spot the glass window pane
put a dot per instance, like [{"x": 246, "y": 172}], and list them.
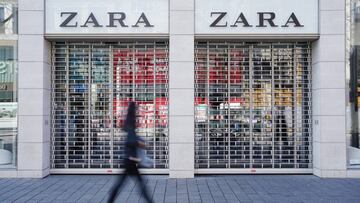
[
  {"x": 8, "y": 17},
  {"x": 8, "y": 83},
  {"x": 8, "y": 103},
  {"x": 354, "y": 86}
]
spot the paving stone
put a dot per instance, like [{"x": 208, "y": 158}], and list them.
[{"x": 207, "y": 189}]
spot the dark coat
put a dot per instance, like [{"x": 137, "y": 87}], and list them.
[{"x": 131, "y": 143}]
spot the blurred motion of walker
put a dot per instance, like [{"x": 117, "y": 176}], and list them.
[{"x": 134, "y": 155}]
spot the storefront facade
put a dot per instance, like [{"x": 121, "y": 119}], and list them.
[{"x": 239, "y": 88}]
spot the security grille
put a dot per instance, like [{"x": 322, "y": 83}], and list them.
[
  {"x": 92, "y": 84},
  {"x": 252, "y": 105}
]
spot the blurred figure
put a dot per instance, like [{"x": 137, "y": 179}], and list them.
[{"x": 131, "y": 162}]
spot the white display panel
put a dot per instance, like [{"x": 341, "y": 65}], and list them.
[
  {"x": 106, "y": 17},
  {"x": 248, "y": 13}
]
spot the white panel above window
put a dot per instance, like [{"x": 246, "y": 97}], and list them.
[
  {"x": 106, "y": 17},
  {"x": 257, "y": 18}
]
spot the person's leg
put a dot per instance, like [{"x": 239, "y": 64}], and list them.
[
  {"x": 143, "y": 189},
  {"x": 115, "y": 188},
  {"x": 142, "y": 186}
]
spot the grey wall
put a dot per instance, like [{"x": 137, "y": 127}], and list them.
[
  {"x": 34, "y": 91},
  {"x": 329, "y": 141},
  {"x": 181, "y": 90}
]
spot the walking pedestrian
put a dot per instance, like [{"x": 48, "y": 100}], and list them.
[{"x": 131, "y": 162}]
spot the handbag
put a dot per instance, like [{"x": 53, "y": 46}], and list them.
[{"x": 145, "y": 161}]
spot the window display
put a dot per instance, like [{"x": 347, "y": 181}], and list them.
[
  {"x": 8, "y": 103},
  {"x": 92, "y": 86},
  {"x": 353, "y": 138},
  {"x": 8, "y": 17},
  {"x": 252, "y": 105},
  {"x": 8, "y": 84}
]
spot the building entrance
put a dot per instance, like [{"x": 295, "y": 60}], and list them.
[
  {"x": 92, "y": 84},
  {"x": 252, "y": 105}
]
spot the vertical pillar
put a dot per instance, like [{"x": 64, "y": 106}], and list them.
[
  {"x": 34, "y": 91},
  {"x": 181, "y": 89},
  {"x": 329, "y": 140}
]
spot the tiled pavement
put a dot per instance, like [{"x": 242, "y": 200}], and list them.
[{"x": 207, "y": 189}]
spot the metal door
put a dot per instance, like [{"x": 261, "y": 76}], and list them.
[
  {"x": 252, "y": 105},
  {"x": 92, "y": 84}
]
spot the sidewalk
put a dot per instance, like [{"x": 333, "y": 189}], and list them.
[{"x": 206, "y": 189}]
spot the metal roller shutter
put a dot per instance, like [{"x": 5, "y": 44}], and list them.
[
  {"x": 92, "y": 84},
  {"x": 252, "y": 105}
]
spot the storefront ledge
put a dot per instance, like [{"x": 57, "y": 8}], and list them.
[
  {"x": 33, "y": 174},
  {"x": 181, "y": 174},
  {"x": 330, "y": 173},
  {"x": 353, "y": 173},
  {"x": 317, "y": 172},
  {"x": 106, "y": 171},
  {"x": 253, "y": 171},
  {"x": 5, "y": 173}
]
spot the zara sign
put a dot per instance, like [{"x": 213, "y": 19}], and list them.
[
  {"x": 114, "y": 17},
  {"x": 106, "y": 17},
  {"x": 262, "y": 20},
  {"x": 256, "y": 17},
  {"x": 239, "y": 18}
]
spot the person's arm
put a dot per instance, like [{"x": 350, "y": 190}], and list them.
[{"x": 141, "y": 144}]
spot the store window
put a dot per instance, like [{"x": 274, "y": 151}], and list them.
[
  {"x": 353, "y": 120},
  {"x": 253, "y": 105},
  {"x": 8, "y": 84},
  {"x": 92, "y": 84},
  {"x": 8, "y": 17}
]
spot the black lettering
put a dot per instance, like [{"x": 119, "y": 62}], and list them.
[
  {"x": 293, "y": 19},
  {"x": 91, "y": 19},
  {"x": 241, "y": 19},
  {"x": 144, "y": 20},
  {"x": 218, "y": 19},
  {"x": 120, "y": 19},
  {"x": 70, "y": 17},
  {"x": 270, "y": 20}
]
